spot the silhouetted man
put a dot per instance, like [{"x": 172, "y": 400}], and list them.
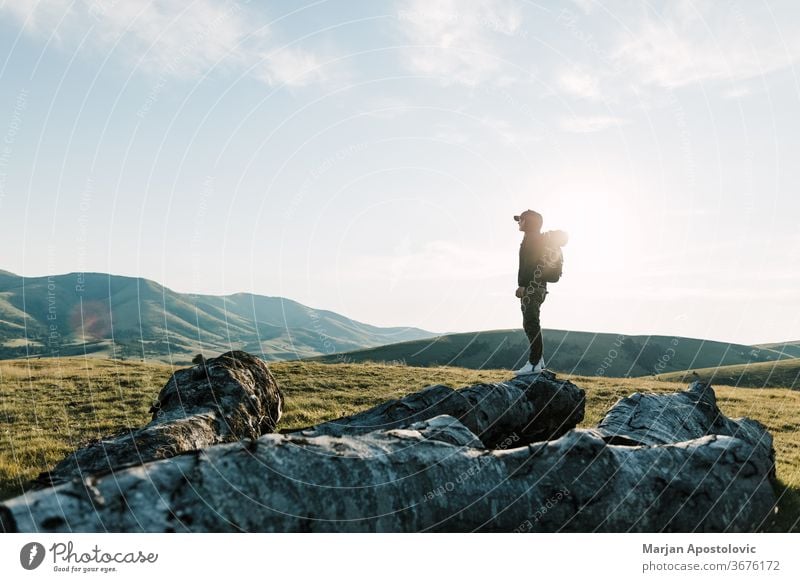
[{"x": 539, "y": 263}]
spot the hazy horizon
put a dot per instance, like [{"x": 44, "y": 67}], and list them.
[
  {"x": 438, "y": 332},
  {"x": 368, "y": 158}
]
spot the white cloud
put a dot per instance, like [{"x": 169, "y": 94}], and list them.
[
  {"x": 737, "y": 92},
  {"x": 36, "y": 16},
  {"x": 586, "y": 6},
  {"x": 488, "y": 131},
  {"x": 694, "y": 42},
  {"x": 579, "y": 83},
  {"x": 435, "y": 261},
  {"x": 292, "y": 67},
  {"x": 387, "y": 107},
  {"x": 678, "y": 43},
  {"x": 591, "y": 123},
  {"x": 674, "y": 293},
  {"x": 457, "y": 40},
  {"x": 509, "y": 134},
  {"x": 450, "y": 134},
  {"x": 169, "y": 37}
]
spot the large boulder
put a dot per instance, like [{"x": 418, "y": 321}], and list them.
[
  {"x": 650, "y": 420},
  {"x": 528, "y": 408},
  {"x": 223, "y": 399}
]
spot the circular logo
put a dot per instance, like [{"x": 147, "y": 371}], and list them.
[{"x": 31, "y": 555}]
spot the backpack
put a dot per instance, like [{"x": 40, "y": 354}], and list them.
[{"x": 553, "y": 259}]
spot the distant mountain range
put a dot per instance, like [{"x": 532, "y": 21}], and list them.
[
  {"x": 114, "y": 316},
  {"x": 576, "y": 352},
  {"x": 104, "y": 315}
]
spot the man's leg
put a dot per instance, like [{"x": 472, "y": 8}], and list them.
[{"x": 531, "y": 304}]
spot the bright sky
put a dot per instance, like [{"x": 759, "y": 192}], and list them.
[{"x": 367, "y": 157}]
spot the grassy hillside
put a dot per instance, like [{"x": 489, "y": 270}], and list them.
[
  {"x": 791, "y": 349},
  {"x": 113, "y": 316},
  {"x": 575, "y": 352},
  {"x": 49, "y": 407},
  {"x": 781, "y": 374}
]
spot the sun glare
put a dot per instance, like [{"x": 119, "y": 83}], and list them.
[{"x": 602, "y": 228}]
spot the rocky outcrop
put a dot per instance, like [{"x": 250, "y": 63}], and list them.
[
  {"x": 650, "y": 420},
  {"x": 447, "y": 460},
  {"x": 223, "y": 399},
  {"x": 528, "y": 408}
]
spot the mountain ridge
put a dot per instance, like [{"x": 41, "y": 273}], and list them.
[
  {"x": 122, "y": 316},
  {"x": 109, "y": 315}
]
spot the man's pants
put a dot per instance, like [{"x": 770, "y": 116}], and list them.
[{"x": 531, "y": 303}]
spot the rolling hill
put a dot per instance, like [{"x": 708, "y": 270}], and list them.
[
  {"x": 791, "y": 349},
  {"x": 115, "y": 316},
  {"x": 575, "y": 352},
  {"x": 782, "y": 374}
]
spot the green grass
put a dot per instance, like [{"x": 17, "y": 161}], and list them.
[
  {"x": 782, "y": 373},
  {"x": 49, "y": 407}
]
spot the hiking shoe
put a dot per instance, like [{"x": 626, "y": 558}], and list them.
[
  {"x": 526, "y": 369},
  {"x": 530, "y": 369}
]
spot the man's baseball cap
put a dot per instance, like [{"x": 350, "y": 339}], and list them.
[{"x": 526, "y": 214}]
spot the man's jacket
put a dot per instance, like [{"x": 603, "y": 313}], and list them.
[{"x": 531, "y": 254}]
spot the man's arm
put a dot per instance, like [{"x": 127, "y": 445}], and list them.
[
  {"x": 528, "y": 262},
  {"x": 520, "y": 292},
  {"x": 522, "y": 271}
]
